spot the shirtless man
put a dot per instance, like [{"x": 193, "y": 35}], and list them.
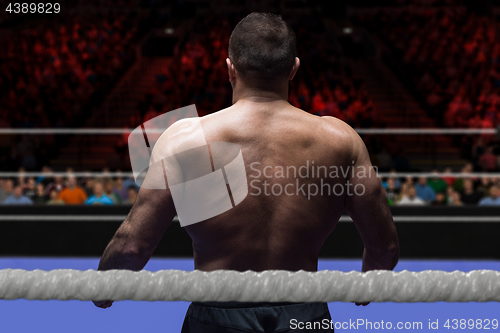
[{"x": 266, "y": 231}]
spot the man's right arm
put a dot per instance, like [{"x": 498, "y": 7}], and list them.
[{"x": 370, "y": 212}]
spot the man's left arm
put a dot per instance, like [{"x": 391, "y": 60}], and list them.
[{"x": 138, "y": 236}]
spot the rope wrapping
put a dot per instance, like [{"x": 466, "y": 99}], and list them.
[{"x": 267, "y": 286}]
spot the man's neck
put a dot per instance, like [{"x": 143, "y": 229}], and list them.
[
  {"x": 256, "y": 95},
  {"x": 259, "y": 103}
]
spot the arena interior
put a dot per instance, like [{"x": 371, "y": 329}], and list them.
[{"x": 418, "y": 79}]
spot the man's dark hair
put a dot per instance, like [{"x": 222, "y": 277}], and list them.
[{"x": 263, "y": 48}]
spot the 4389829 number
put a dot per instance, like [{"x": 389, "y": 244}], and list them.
[
  {"x": 463, "y": 324},
  {"x": 33, "y": 7}
]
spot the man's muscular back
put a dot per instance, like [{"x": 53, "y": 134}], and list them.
[{"x": 289, "y": 212}]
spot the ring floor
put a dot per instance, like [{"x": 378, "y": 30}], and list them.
[{"x": 167, "y": 317}]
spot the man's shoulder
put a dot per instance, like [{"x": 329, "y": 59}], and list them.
[
  {"x": 182, "y": 135},
  {"x": 344, "y": 135},
  {"x": 338, "y": 127}
]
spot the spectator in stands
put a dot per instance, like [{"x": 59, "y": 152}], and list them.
[
  {"x": 57, "y": 184},
  {"x": 132, "y": 195},
  {"x": 89, "y": 186},
  {"x": 397, "y": 181},
  {"x": 410, "y": 197},
  {"x": 424, "y": 191},
  {"x": 54, "y": 198},
  {"x": 448, "y": 180},
  {"x": 46, "y": 177},
  {"x": 17, "y": 197},
  {"x": 3, "y": 195},
  {"x": 469, "y": 195},
  {"x": 391, "y": 190},
  {"x": 455, "y": 199},
  {"x": 40, "y": 197},
  {"x": 484, "y": 186},
  {"x": 130, "y": 182},
  {"x": 73, "y": 194},
  {"x": 121, "y": 190},
  {"x": 105, "y": 173},
  {"x": 488, "y": 160},
  {"x": 99, "y": 198},
  {"x": 440, "y": 200},
  {"x": 30, "y": 188},
  {"x": 458, "y": 184},
  {"x": 110, "y": 192},
  {"x": 437, "y": 184},
  {"x": 8, "y": 188},
  {"x": 21, "y": 179},
  {"x": 409, "y": 180},
  {"x": 492, "y": 199}
]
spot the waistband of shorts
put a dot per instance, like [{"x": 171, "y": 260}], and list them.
[{"x": 237, "y": 305}]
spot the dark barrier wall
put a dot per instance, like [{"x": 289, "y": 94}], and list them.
[{"x": 433, "y": 239}]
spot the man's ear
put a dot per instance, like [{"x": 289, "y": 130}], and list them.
[
  {"x": 295, "y": 68},
  {"x": 231, "y": 71}
]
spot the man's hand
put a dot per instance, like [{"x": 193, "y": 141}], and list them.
[{"x": 103, "y": 304}]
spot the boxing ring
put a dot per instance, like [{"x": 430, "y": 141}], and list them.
[
  {"x": 418, "y": 291},
  {"x": 134, "y": 316},
  {"x": 249, "y": 286}
]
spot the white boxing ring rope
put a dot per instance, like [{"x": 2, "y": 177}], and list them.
[{"x": 267, "y": 286}]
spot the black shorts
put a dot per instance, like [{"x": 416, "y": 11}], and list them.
[{"x": 236, "y": 317}]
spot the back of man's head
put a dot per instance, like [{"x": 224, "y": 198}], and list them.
[{"x": 262, "y": 48}]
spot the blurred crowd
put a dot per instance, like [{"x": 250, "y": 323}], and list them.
[
  {"x": 453, "y": 57},
  {"x": 53, "y": 189},
  {"x": 52, "y": 75},
  {"x": 443, "y": 190},
  {"x": 324, "y": 85}
]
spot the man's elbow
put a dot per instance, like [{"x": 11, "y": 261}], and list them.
[
  {"x": 128, "y": 247},
  {"x": 134, "y": 249},
  {"x": 384, "y": 256}
]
